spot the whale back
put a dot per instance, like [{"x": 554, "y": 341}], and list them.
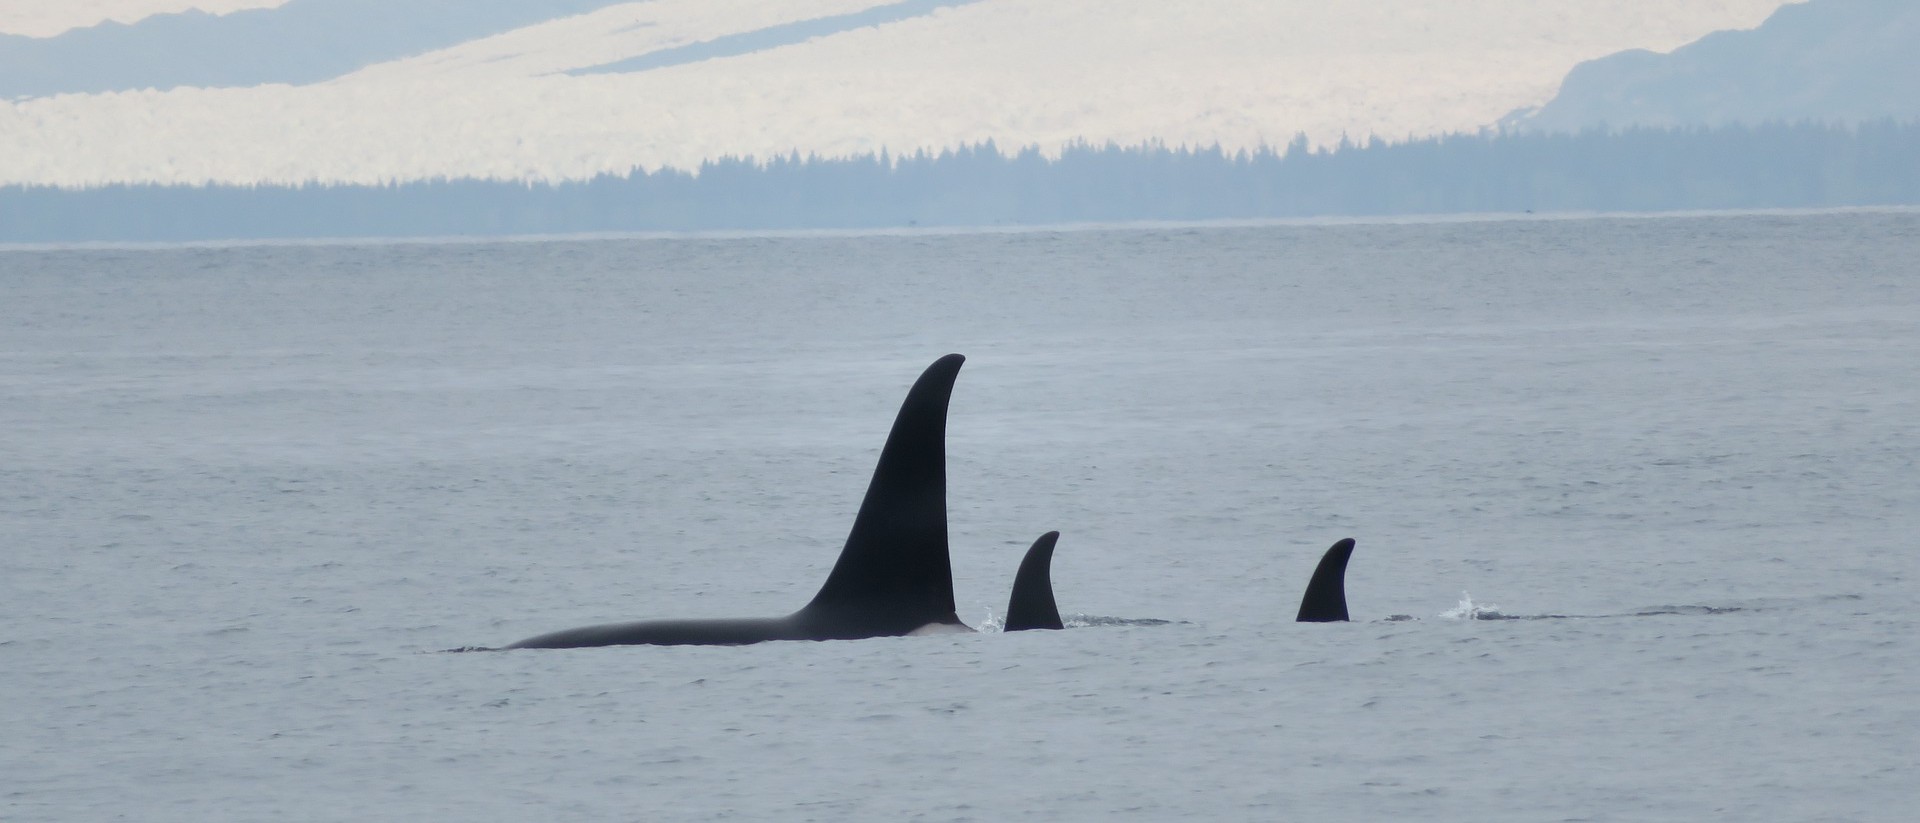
[
  {"x": 1326, "y": 597},
  {"x": 1032, "y": 606},
  {"x": 894, "y": 574}
]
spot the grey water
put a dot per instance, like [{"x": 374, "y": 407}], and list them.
[{"x": 248, "y": 492}]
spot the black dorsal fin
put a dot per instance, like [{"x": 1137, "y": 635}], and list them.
[
  {"x": 1326, "y": 598},
  {"x": 894, "y": 575},
  {"x": 1032, "y": 604}
]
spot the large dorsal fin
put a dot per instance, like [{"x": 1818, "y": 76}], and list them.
[
  {"x": 894, "y": 574},
  {"x": 1032, "y": 606},
  {"x": 1326, "y": 597}
]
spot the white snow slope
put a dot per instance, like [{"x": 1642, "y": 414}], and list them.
[
  {"x": 1240, "y": 73},
  {"x": 46, "y": 18}
]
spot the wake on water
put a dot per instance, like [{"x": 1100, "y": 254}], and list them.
[
  {"x": 995, "y": 623},
  {"x": 1466, "y": 609},
  {"x": 1469, "y": 610}
]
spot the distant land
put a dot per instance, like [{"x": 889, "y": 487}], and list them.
[
  {"x": 483, "y": 118},
  {"x": 48, "y": 18},
  {"x": 1770, "y": 166},
  {"x": 302, "y": 41},
  {"x": 378, "y": 91},
  {"x": 1836, "y": 61}
]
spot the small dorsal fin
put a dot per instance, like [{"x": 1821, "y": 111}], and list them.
[
  {"x": 1031, "y": 606},
  {"x": 894, "y": 575},
  {"x": 1326, "y": 597}
]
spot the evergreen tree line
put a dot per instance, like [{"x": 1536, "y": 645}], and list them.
[{"x": 1778, "y": 165}]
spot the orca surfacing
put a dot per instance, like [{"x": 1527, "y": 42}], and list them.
[
  {"x": 1326, "y": 597},
  {"x": 1032, "y": 606},
  {"x": 894, "y": 576}
]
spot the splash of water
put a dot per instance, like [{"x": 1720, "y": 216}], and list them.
[
  {"x": 1469, "y": 610},
  {"x": 991, "y": 623}
]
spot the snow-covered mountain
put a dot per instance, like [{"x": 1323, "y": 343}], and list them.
[
  {"x": 300, "y": 42},
  {"x": 406, "y": 89},
  {"x": 1836, "y": 61},
  {"x": 47, "y": 18}
]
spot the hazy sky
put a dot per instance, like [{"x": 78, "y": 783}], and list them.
[{"x": 1021, "y": 72}]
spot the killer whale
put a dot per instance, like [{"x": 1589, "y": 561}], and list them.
[
  {"x": 1326, "y": 597},
  {"x": 1031, "y": 605},
  {"x": 894, "y": 576}
]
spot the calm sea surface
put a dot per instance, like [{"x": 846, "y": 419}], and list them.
[{"x": 248, "y": 493}]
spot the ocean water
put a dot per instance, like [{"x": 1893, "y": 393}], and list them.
[{"x": 249, "y": 494}]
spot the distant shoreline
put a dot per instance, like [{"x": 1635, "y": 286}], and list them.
[
  {"x": 946, "y": 231},
  {"x": 1769, "y": 168}
]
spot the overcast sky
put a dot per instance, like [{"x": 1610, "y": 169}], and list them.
[{"x": 1044, "y": 72}]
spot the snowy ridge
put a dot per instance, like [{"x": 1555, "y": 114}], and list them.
[
  {"x": 1019, "y": 72},
  {"x": 48, "y": 18},
  {"x": 1836, "y": 61}
]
